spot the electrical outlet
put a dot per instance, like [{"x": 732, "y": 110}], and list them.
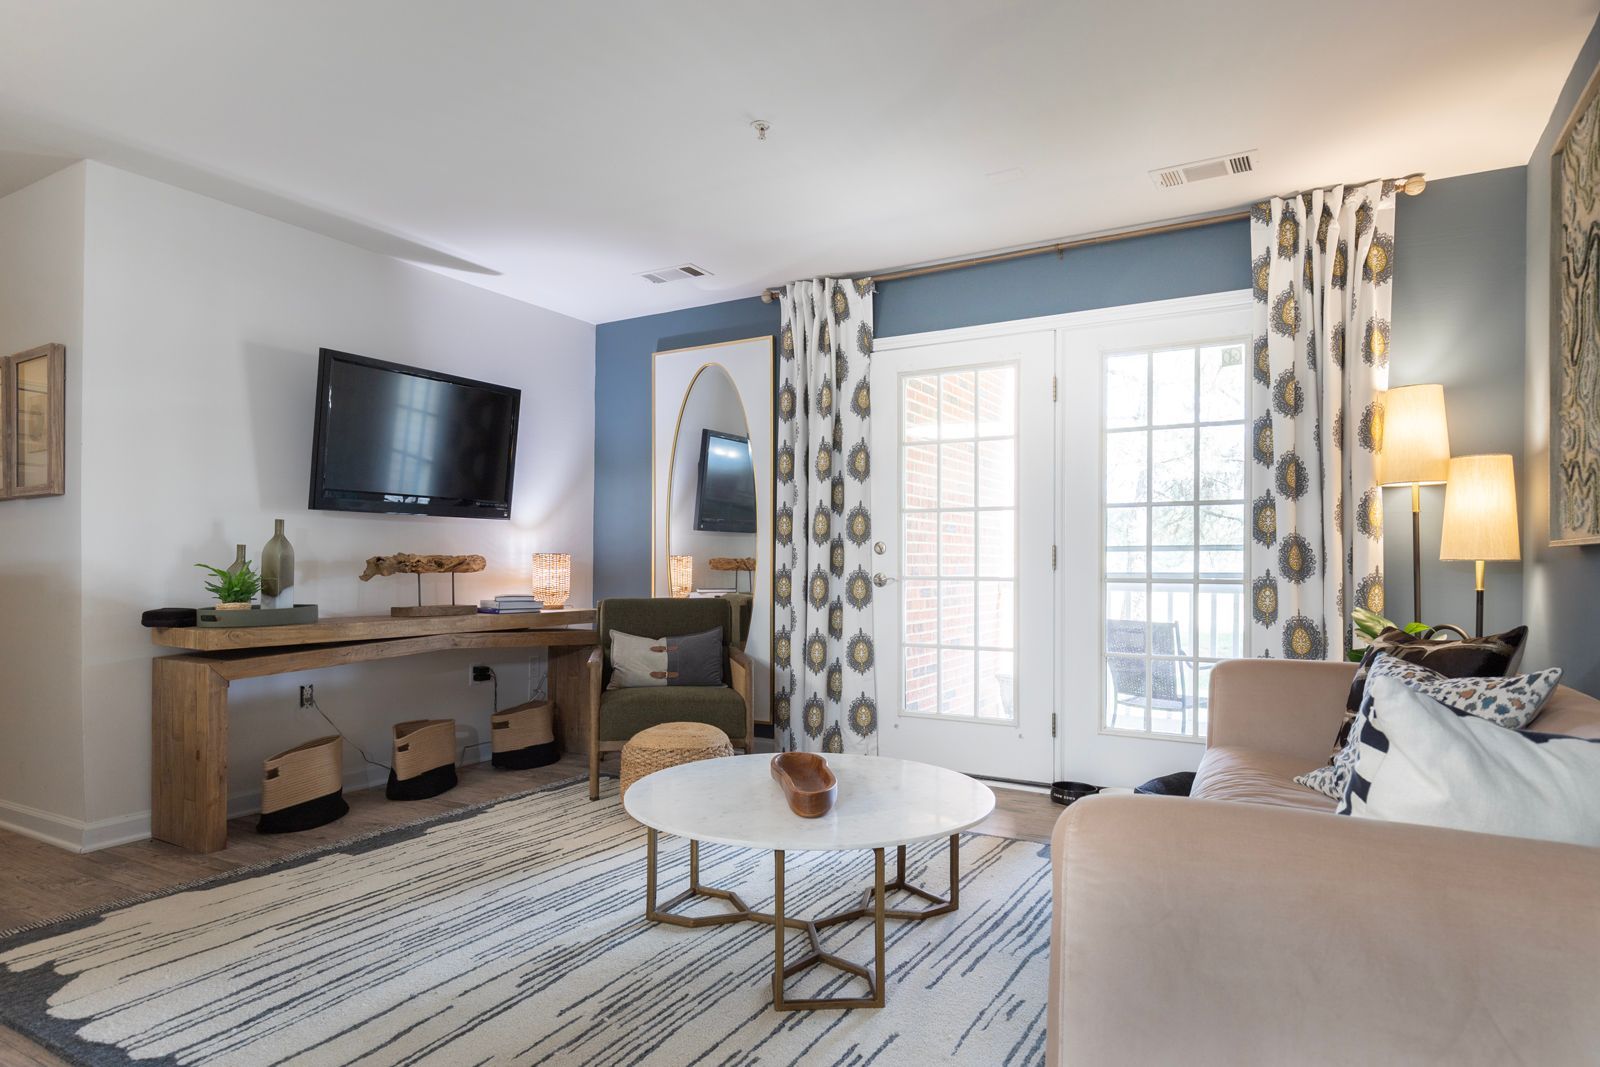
[
  {"x": 478, "y": 672},
  {"x": 308, "y": 695}
]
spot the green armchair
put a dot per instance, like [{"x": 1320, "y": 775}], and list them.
[{"x": 617, "y": 714}]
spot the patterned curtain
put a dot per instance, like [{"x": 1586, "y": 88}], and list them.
[
  {"x": 822, "y": 593},
  {"x": 1323, "y": 270}
]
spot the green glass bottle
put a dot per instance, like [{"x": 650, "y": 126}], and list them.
[{"x": 277, "y": 570}]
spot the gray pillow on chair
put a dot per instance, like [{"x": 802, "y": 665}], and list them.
[{"x": 690, "y": 659}]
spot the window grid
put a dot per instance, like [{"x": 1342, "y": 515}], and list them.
[
  {"x": 944, "y": 658},
  {"x": 1137, "y": 677}
]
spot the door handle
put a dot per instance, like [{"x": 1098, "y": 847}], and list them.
[{"x": 880, "y": 579}]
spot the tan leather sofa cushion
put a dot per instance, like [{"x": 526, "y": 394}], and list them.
[{"x": 1255, "y": 776}]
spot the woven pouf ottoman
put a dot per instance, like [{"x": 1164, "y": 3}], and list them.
[{"x": 668, "y": 745}]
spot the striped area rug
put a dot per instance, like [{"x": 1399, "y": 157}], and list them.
[{"x": 514, "y": 934}]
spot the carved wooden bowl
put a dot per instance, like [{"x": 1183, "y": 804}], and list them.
[{"x": 808, "y": 785}]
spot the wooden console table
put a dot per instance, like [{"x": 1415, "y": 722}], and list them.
[{"x": 189, "y": 706}]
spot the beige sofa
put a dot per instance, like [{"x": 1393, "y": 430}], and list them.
[{"x": 1247, "y": 924}]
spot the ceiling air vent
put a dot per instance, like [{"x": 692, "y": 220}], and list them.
[
  {"x": 674, "y": 274},
  {"x": 1204, "y": 170}
]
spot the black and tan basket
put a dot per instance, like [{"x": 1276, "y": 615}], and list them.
[
  {"x": 424, "y": 759},
  {"x": 303, "y": 788},
  {"x": 524, "y": 736}
]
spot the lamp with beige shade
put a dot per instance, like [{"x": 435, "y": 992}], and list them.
[
  {"x": 680, "y": 576},
  {"x": 552, "y": 578},
  {"x": 1480, "y": 514},
  {"x": 1414, "y": 451}
]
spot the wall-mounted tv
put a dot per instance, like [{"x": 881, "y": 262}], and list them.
[
  {"x": 409, "y": 441},
  {"x": 726, "y": 500}
]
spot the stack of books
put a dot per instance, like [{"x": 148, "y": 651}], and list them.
[{"x": 511, "y": 604}]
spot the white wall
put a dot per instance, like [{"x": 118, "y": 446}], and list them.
[
  {"x": 712, "y": 404},
  {"x": 41, "y": 707},
  {"x": 201, "y": 327}
]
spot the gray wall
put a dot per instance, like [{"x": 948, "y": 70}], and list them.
[
  {"x": 1562, "y": 601},
  {"x": 1458, "y": 321}
]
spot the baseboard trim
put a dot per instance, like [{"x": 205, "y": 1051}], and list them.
[{"x": 52, "y": 829}]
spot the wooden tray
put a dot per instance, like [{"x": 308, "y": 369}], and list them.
[{"x": 808, "y": 785}]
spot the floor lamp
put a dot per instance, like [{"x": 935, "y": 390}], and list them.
[
  {"x": 1480, "y": 514},
  {"x": 1415, "y": 452}
]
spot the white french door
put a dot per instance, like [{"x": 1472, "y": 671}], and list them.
[{"x": 963, "y": 445}]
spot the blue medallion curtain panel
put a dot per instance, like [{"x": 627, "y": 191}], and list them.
[
  {"x": 1322, "y": 265},
  {"x": 825, "y": 696}
]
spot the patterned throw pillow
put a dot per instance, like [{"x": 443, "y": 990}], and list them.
[
  {"x": 1510, "y": 702},
  {"x": 1422, "y": 761},
  {"x": 692, "y": 659},
  {"x": 1470, "y": 657}
]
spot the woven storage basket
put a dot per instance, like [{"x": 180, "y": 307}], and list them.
[
  {"x": 303, "y": 788},
  {"x": 524, "y": 736},
  {"x": 424, "y": 759},
  {"x": 668, "y": 745}
]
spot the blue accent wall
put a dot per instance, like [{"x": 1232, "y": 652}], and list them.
[
  {"x": 622, "y": 427},
  {"x": 1208, "y": 259}
]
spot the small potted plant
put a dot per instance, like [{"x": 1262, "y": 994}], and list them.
[{"x": 233, "y": 589}]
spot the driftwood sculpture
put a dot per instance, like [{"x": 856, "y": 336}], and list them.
[
  {"x": 732, "y": 563},
  {"x": 406, "y": 563}
]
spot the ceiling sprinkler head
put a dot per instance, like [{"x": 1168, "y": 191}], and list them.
[{"x": 761, "y": 127}]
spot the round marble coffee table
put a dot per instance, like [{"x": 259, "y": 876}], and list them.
[{"x": 882, "y": 803}]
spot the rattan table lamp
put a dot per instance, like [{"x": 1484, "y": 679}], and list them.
[{"x": 552, "y": 578}]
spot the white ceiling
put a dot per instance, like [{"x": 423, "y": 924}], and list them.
[{"x": 555, "y": 149}]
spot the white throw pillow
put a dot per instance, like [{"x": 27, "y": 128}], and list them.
[{"x": 1420, "y": 761}]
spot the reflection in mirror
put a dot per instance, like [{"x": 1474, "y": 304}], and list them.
[{"x": 711, "y": 497}]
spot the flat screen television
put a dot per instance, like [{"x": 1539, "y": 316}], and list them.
[
  {"x": 408, "y": 441},
  {"x": 726, "y": 500}
]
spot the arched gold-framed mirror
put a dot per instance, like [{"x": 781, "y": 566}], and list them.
[{"x": 711, "y": 458}]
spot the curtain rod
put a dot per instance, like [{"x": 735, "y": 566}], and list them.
[{"x": 1411, "y": 184}]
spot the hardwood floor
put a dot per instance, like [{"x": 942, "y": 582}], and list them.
[{"x": 40, "y": 882}]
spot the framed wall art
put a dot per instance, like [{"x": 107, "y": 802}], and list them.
[
  {"x": 33, "y": 415},
  {"x": 1575, "y": 325}
]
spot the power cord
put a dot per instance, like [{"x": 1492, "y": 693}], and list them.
[{"x": 346, "y": 737}]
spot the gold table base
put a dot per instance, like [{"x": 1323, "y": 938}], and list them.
[{"x": 871, "y": 906}]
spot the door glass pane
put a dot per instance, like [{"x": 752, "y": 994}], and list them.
[
  {"x": 958, "y": 550},
  {"x": 919, "y": 412},
  {"x": 997, "y": 402},
  {"x": 1171, "y": 695},
  {"x": 997, "y": 544},
  {"x": 997, "y": 473},
  {"x": 957, "y": 474},
  {"x": 1220, "y": 621},
  {"x": 1222, "y": 541},
  {"x": 957, "y": 614},
  {"x": 1125, "y": 692},
  {"x": 921, "y": 612},
  {"x": 956, "y": 683},
  {"x": 921, "y": 557},
  {"x": 922, "y": 681},
  {"x": 996, "y": 614},
  {"x": 997, "y": 685},
  {"x": 1172, "y": 464},
  {"x": 919, "y": 473},
  {"x": 1172, "y": 387},
  {"x": 1126, "y": 464},
  {"x": 1125, "y": 542},
  {"x": 1222, "y": 383},
  {"x": 1127, "y": 390},
  {"x": 957, "y": 404},
  {"x": 1172, "y": 539},
  {"x": 1221, "y": 463}
]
